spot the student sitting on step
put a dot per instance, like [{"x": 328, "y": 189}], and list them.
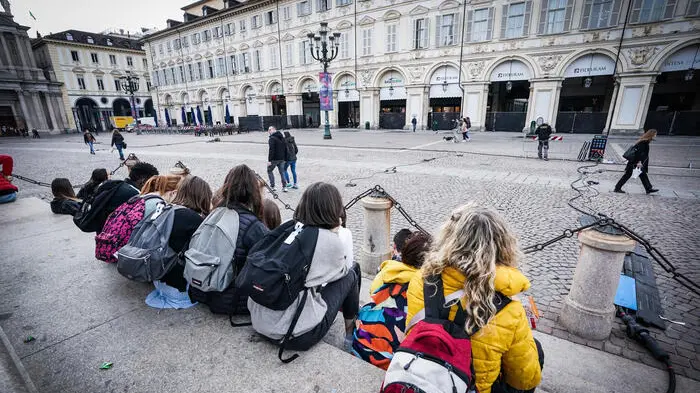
[
  {"x": 8, "y": 191},
  {"x": 98, "y": 176},
  {"x": 64, "y": 200},
  {"x": 477, "y": 253},
  {"x": 399, "y": 240},
  {"x": 271, "y": 214},
  {"x": 381, "y": 323}
]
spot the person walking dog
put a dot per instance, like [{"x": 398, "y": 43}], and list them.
[{"x": 638, "y": 158}]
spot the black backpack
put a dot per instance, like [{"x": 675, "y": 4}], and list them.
[
  {"x": 93, "y": 213},
  {"x": 276, "y": 268}
]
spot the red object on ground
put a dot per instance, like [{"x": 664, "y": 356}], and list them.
[{"x": 5, "y": 186}]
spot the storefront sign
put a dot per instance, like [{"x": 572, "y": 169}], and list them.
[
  {"x": 513, "y": 70},
  {"x": 347, "y": 91},
  {"x": 325, "y": 94},
  {"x": 444, "y": 83},
  {"x": 683, "y": 60},
  {"x": 590, "y": 65},
  {"x": 392, "y": 87}
]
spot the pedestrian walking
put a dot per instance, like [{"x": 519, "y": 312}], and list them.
[
  {"x": 118, "y": 142},
  {"x": 89, "y": 140},
  {"x": 457, "y": 130},
  {"x": 414, "y": 122},
  {"x": 466, "y": 126},
  {"x": 291, "y": 161},
  {"x": 276, "y": 157},
  {"x": 638, "y": 158},
  {"x": 543, "y": 132}
]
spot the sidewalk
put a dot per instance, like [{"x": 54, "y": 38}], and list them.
[{"x": 83, "y": 313}]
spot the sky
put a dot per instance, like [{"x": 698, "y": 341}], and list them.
[{"x": 53, "y": 16}]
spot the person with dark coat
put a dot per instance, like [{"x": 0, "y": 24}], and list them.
[
  {"x": 89, "y": 140},
  {"x": 64, "y": 200},
  {"x": 118, "y": 142},
  {"x": 276, "y": 157},
  {"x": 543, "y": 133},
  {"x": 291, "y": 161},
  {"x": 640, "y": 160},
  {"x": 99, "y": 176},
  {"x": 414, "y": 122}
]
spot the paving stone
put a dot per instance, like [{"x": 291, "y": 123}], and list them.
[{"x": 612, "y": 348}]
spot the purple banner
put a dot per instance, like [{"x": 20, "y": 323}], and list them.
[{"x": 325, "y": 93}]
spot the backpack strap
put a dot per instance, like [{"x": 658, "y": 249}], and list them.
[
  {"x": 434, "y": 298},
  {"x": 288, "y": 335}
]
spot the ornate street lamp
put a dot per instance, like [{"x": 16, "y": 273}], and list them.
[
  {"x": 326, "y": 49},
  {"x": 587, "y": 82},
  {"x": 130, "y": 85}
]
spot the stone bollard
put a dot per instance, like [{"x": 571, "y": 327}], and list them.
[
  {"x": 376, "y": 246},
  {"x": 588, "y": 310}
]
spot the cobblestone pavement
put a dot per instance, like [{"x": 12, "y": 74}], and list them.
[{"x": 530, "y": 193}]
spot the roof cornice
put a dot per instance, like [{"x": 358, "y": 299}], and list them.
[{"x": 42, "y": 41}]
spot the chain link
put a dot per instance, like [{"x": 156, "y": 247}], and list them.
[
  {"x": 274, "y": 193},
  {"x": 131, "y": 157},
  {"x": 380, "y": 192}
]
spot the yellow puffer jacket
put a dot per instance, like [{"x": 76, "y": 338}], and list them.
[
  {"x": 505, "y": 343},
  {"x": 393, "y": 272}
]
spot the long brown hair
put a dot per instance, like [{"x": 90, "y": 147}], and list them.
[
  {"x": 647, "y": 136},
  {"x": 161, "y": 184},
  {"x": 194, "y": 193},
  {"x": 271, "y": 214},
  {"x": 321, "y": 206},
  {"x": 241, "y": 187},
  {"x": 62, "y": 189}
]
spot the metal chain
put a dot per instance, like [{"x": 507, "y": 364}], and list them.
[
  {"x": 378, "y": 191},
  {"x": 275, "y": 195},
  {"x": 131, "y": 156}
]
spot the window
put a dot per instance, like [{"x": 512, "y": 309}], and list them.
[
  {"x": 257, "y": 61},
  {"x": 241, "y": 25},
  {"x": 366, "y": 42},
  {"x": 74, "y": 55},
  {"x": 341, "y": 3},
  {"x": 598, "y": 14},
  {"x": 343, "y": 46},
  {"x": 304, "y": 8},
  {"x": 129, "y": 61},
  {"x": 420, "y": 33},
  {"x": 196, "y": 39},
  {"x": 118, "y": 85},
  {"x": 100, "y": 84},
  {"x": 181, "y": 73},
  {"x": 645, "y": 11},
  {"x": 148, "y": 85},
  {"x": 210, "y": 69},
  {"x": 69, "y": 36},
  {"x": 516, "y": 20},
  {"x": 245, "y": 62},
  {"x": 287, "y": 12},
  {"x": 221, "y": 64},
  {"x": 255, "y": 22},
  {"x": 190, "y": 72},
  {"x": 234, "y": 65},
  {"x": 289, "y": 54},
  {"x": 273, "y": 58},
  {"x": 304, "y": 52},
  {"x": 95, "y": 58},
  {"x": 200, "y": 71},
  {"x": 145, "y": 64},
  {"x": 185, "y": 41},
  {"x": 169, "y": 46},
  {"x": 81, "y": 83},
  {"x": 90, "y": 40},
  {"x": 391, "y": 38},
  {"x": 555, "y": 16},
  {"x": 218, "y": 32},
  {"x": 176, "y": 44},
  {"x": 228, "y": 29},
  {"x": 323, "y": 5},
  {"x": 270, "y": 17},
  {"x": 113, "y": 60},
  {"x": 206, "y": 35},
  {"x": 480, "y": 24},
  {"x": 693, "y": 8},
  {"x": 160, "y": 49},
  {"x": 172, "y": 75},
  {"x": 446, "y": 30}
]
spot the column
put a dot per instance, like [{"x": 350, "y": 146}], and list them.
[
  {"x": 632, "y": 103},
  {"x": 376, "y": 243},
  {"x": 334, "y": 113},
  {"x": 416, "y": 96},
  {"x": 544, "y": 101},
  {"x": 294, "y": 104},
  {"x": 52, "y": 114},
  {"x": 475, "y": 102},
  {"x": 7, "y": 52},
  {"x": 26, "y": 113},
  {"x": 266, "y": 109},
  {"x": 369, "y": 107}
]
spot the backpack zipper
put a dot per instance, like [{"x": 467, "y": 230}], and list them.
[
  {"x": 287, "y": 279},
  {"x": 416, "y": 355},
  {"x": 449, "y": 372}
]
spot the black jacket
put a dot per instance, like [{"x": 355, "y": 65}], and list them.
[
  {"x": 87, "y": 190},
  {"x": 642, "y": 155},
  {"x": 117, "y": 139},
  {"x": 278, "y": 148},
  {"x": 126, "y": 190},
  {"x": 543, "y": 132},
  {"x": 65, "y": 206},
  {"x": 88, "y": 137},
  {"x": 292, "y": 148}
]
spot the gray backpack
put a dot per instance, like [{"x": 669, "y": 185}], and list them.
[
  {"x": 147, "y": 256},
  {"x": 209, "y": 264}
]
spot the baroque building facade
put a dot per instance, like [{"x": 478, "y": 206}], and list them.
[
  {"x": 581, "y": 65},
  {"x": 27, "y": 99},
  {"x": 89, "y": 65}
]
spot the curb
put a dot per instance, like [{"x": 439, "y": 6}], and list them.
[{"x": 19, "y": 366}]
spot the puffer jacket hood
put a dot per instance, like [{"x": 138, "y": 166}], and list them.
[
  {"x": 505, "y": 344},
  {"x": 392, "y": 272}
]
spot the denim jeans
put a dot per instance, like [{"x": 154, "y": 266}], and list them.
[
  {"x": 119, "y": 149},
  {"x": 542, "y": 147},
  {"x": 280, "y": 167},
  {"x": 293, "y": 165},
  {"x": 92, "y": 150}
]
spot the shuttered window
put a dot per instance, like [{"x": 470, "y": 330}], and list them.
[
  {"x": 420, "y": 33},
  {"x": 446, "y": 30},
  {"x": 693, "y": 8},
  {"x": 599, "y": 14},
  {"x": 555, "y": 16},
  {"x": 515, "y": 21},
  {"x": 480, "y": 24},
  {"x": 646, "y": 11}
]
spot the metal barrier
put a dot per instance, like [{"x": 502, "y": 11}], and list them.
[
  {"x": 674, "y": 123},
  {"x": 581, "y": 122},
  {"x": 505, "y": 121},
  {"x": 392, "y": 121}
]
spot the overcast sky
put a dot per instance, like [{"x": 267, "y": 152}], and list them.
[{"x": 95, "y": 16}]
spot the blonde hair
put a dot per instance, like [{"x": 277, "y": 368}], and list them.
[
  {"x": 647, "y": 136},
  {"x": 162, "y": 184},
  {"x": 474, "y": 240}
]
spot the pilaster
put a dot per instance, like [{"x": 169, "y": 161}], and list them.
[{"x": 632, "y": 103}]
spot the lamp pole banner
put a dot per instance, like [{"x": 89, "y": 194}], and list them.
[{"x": 325, "y": 93}]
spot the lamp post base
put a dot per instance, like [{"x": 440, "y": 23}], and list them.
[{"x": 327, "y": 128}]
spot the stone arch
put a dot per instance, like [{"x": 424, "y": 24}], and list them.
[
  {"x": 202, "y": 95},
  {"x": 664, "y": 54},
  {"x": 270, "y": 84},
  {"x": 339, "y": 76},
  {"x": 244, "y": 87},
  {"x": 184, "y": 98},
  {"x": 429, "y": 74},
  {"x": 525, "y": 60},
  {"x": 302, "y": 81},
  {"x": 168, "y": 99},
  {"x": 221, "y": 93},
  {"x": 567, "y": 60},
  {"x": 343, "y": 25},
  {"x": 376, "y": 82},
  {"x": 121, "y": 107}
]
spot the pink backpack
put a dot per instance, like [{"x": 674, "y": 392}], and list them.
[{"x": 117, "y": 230}]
